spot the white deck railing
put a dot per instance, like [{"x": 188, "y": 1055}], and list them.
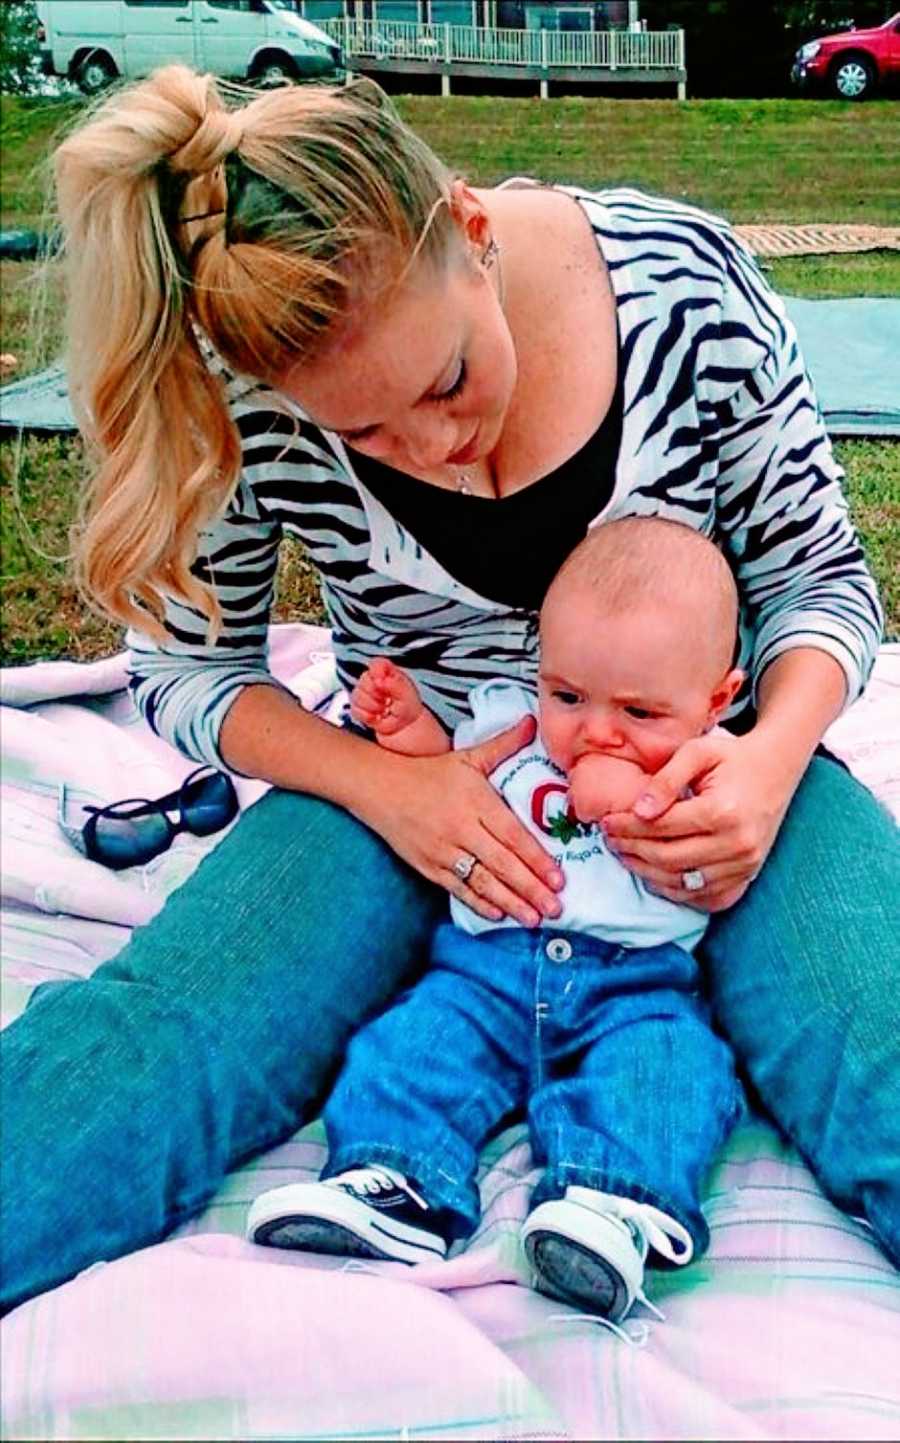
[{"x": 601, "y": 49}]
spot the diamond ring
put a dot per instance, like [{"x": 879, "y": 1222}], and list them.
[
  {"x": 463, "y": 866},
  {"x": 693, "y": 881}
]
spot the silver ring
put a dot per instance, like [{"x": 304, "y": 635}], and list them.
[
  {"x": 464, "y": 866},
  {"x": 693, "y": 881}
]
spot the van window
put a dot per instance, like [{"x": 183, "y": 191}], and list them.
[
  {"x": 245, "y": 5},
  {"x": 158, "y": 4}
]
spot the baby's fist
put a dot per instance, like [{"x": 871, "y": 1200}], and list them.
[
  {"x": 385, "y": 698},
  {"x": 600, "y": 784}
]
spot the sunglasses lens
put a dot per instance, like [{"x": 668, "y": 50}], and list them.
[
  {"x": 120, "y": 842},
  {"x": 209, "y": 803}
]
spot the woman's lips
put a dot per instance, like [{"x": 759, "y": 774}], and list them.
[{"x": 466, "y": 453}]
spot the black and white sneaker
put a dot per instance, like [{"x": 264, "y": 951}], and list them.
[
  {"x": 589, "y": 1248},
  {"x": 369, "y": 1212}
]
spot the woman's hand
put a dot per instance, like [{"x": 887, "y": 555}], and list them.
[
  {"x": 434, "y": 810},
  {"x": 741, "y": 792}
]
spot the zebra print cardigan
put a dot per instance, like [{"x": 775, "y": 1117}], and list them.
[{"x": 721, "y": 430}]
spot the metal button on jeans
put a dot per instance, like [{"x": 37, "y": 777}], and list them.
[{"x": 559, "y": 950}]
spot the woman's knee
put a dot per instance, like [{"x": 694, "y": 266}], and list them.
[
  {"x": 300, "y": 906},
  {"x": 818, "y": 928},
  {"x": 297, "y": 928},
  {"x": 299, "y": 859},
  {"x": 804, "y": 974}
]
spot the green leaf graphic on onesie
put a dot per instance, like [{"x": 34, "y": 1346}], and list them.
[{"x": 564, "y": 828}]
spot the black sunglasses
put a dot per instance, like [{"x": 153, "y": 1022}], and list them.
[{"x": 129, "y": 833}]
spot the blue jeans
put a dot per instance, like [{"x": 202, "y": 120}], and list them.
[
  {"x": 215, "y": 1032},
  {"x": 212, "y": 1035},
  {"x": 627, "y": 1087}
]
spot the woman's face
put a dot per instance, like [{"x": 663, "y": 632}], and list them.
[{"x": 425, "y": 382}]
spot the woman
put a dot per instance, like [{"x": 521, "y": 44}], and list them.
[{"x": 313, "y": 327}]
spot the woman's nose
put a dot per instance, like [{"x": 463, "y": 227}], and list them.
[{"x": 428, "y": 440}]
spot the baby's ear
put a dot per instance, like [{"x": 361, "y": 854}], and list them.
[{"x": 724, "y": 693}]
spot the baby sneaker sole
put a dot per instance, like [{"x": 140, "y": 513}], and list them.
[
  {"x": 319, "y": 1217},
  {"x": 582, "y": 1257}
]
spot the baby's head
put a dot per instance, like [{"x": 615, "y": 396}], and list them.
[{"x": 637, "y": 639}]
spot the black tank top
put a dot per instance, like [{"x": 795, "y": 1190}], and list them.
[{"x": 507, "y": 549}]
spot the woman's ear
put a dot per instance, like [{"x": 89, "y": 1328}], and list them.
[
  {"x": 470, "y": 217},
  {"x": 724, "y": 694}
]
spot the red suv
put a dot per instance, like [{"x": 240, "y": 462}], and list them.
[{"x": 853, "y": 64}]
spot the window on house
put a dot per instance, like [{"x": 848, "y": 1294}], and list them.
[
  {"x": 316, "y": 10},
  {"x": 572, "y": 19},
  {"x": 397, "y": 10},
  {"x": 453, "y": 12}
]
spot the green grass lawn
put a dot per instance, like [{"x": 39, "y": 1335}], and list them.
[
  {"x": 27, "y": 132},
  {"x": 753, "y": 160},
  {"x": 790, "y": 160},
  {"x": 787, "y": 160}
]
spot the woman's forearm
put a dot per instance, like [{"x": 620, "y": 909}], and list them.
[
  {"x": 799, "y": 696},
  {"x": 267, "y": 734}
]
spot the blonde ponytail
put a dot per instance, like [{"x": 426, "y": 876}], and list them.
[{"x": 189, "y": 215}]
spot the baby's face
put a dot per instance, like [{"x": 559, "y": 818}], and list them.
[{"x": 630, "y": 686}]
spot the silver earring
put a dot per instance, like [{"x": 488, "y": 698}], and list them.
[{"x": 490, "y": 254}]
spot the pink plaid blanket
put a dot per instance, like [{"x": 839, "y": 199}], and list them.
[{"x": 789, "y": 1328}]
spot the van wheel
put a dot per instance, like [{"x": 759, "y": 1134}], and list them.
[
  {"x": 94, "y": 73},
  {"x": 274, "y": 69},
  {"x": 852, "y": 77}
]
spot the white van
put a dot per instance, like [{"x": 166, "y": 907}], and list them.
[{"x": 94, "y": 42}]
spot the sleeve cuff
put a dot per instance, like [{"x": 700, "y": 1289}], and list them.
[{"x": 842, "y": 645}]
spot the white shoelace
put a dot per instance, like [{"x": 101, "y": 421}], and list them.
[
  {"x": 370, "y": 1181},
  {"x": 657, "y": 1229},
  {"x": 650, "y": 1227}
]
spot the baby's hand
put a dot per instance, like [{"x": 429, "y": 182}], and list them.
[
  {"x": 601, "y": 784},
  {"x": 385, "y": 699}
]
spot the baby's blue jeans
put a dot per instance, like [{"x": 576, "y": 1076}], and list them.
[
  {"x": 217, "y": 1030},
  {"x": 627, "y": 1088}
]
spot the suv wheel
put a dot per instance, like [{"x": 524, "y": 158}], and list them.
[
  {"x": 94, "y": 73},
  {"x": 274, "y": 69},
  {"x": 852, "y": 77}
]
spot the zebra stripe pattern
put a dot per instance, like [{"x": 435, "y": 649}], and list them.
[{"x": 721, "y": 431}]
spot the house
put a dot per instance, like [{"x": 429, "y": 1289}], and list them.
[
  {"x": 566, "y": 15},
  {"x": 586, "y": 41}
]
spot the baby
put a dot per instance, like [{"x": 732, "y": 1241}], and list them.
[{"x": 593, "y": 1024}]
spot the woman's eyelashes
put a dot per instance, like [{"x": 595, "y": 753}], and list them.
[
  {"x": 457, "y": 387},
  {"x": 360, "y": 438}
]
